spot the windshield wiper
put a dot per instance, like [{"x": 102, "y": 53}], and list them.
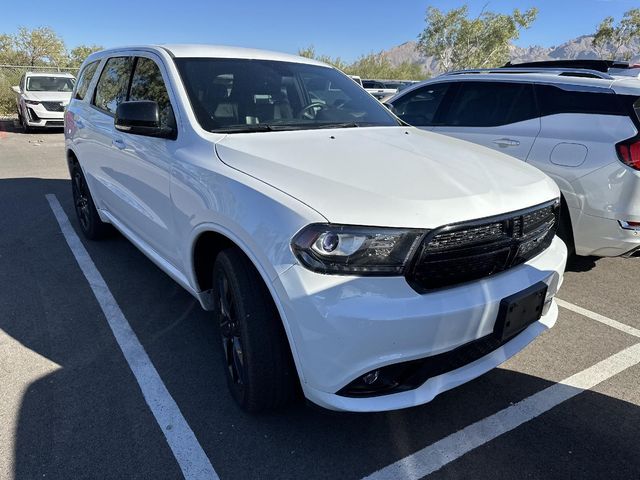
[
  {"x": 272, "y": 127},
  {"x": 340, "y": 125},
  {"x": 256, "y": 127}
]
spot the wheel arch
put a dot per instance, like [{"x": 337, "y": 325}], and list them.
[{"x": 208, "y": 242}]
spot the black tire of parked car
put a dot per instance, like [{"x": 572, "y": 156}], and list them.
[
  {"x": 257, "y": 358},
  {"x": 90, "y": 224},
  {"x": 25, "y": 127}
]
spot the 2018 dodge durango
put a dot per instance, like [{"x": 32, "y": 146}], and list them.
[{"x": 370, "y": 264}]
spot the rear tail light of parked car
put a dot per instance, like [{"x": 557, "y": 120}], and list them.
[{"x": 629, "y": 152}]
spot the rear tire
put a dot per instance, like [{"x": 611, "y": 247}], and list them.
[
  {"x": 259, "y": 367},
  {"x": 90, "y": 224}
]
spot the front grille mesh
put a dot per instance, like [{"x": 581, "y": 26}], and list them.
[
  {"x": 53, "y": 106},
  {"x": 468, "y": 251}
]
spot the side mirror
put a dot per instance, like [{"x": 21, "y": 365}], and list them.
[
  {"x": 141, "y": 118},
  {"x": 389, "y": 106},
  {"x": 16, "y": 89}
]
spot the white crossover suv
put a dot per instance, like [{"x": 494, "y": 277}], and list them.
[
  {"x": 579, "y": 126},
  {"x": 370, "y": 264},
  {"x": 42, "y": 97}
]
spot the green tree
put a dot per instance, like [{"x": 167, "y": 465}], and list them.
[
  {"x": 310, "y": 52},
  {"x": 460, "y": 42},
  {"x": 7, "y": 52},
  {"x": 39, "y": 46},
  {"x": 374, "y": 65},
  {"x": 610, "y": 38},
  {"x": 77, "y": 55}
]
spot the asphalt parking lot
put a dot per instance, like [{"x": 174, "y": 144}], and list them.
[{"x": 568, "y": 406}]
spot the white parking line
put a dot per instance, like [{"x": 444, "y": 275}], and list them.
[
  {"x": 183, "y": 443},
  {"x": 599, "y": 318},
  {"x": 439, "y": 454}
]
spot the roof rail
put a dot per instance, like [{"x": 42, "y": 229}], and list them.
[
  {"x": 582, "y": 63},
  {"x": 564, "y": 72}
]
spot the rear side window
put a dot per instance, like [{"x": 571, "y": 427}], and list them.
[
  {"x": 147, "y": 84},
  {"x": 86, "y": 75},
  {"x": 420, "y": 106},
  {"x": 555, "y": 100},
  {"x": 111, "y": 89},
  {"x": 490, "y": 104}
]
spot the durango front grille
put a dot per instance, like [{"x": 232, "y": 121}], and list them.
[
  {"x": 467, "y": 251},
  {"x": 53, "y": 106}
]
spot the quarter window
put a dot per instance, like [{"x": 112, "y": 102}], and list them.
[
  {"x": 554, "y": 100},
  {"x": 111, "y": 90},
  {"x": 490, "y": 104},
  {"x": 147, "y": 84},
  {"x": 85, "y": 79}
]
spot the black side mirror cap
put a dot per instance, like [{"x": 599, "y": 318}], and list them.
[{"x": 141, "y": 117}]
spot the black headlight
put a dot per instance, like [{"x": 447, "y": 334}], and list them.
[{"x": 353, "y": 250}]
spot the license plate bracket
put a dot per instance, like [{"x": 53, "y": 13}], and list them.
[{"x": 520, "y": 310}]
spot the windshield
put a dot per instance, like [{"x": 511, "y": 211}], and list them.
[
  {"x": 240, "y": 95},
  {"x": 50, "y": 84}
]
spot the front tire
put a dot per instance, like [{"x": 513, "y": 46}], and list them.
[
  {"x": 25, "y": 126},
  {"x": 90, "y": 224},
  {"x": 259, "y": 368}
]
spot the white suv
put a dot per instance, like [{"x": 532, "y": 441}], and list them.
[
  {"x": 579, "y": 126},
  {"x": 371, "y": 264},
  {"x": 41, "y": 99}
]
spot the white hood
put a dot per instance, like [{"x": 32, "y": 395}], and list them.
[
  {"x": 388, "y": 176},
  {"x": 63, "y": 97}
]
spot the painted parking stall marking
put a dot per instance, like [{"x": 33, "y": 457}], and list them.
[
  {"x": 188, "y": 452},
  {"x": 599, "y": 318},
  {"x": 439, "y": 454}
]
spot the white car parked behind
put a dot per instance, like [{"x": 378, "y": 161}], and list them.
[
  {"x": 374, "y": 265},
  {"x": 42, "y": 97},
  {"x": 579, "y": 126}
]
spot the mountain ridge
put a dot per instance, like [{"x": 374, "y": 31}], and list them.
[{"x": 579, "y": 47}]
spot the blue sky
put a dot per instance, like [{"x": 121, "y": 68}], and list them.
[{"x": 346, "y": 28}]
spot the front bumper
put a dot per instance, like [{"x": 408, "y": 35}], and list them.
[
  {"x": 38, "y": 116},
  {"x": 343, "y": 327}
]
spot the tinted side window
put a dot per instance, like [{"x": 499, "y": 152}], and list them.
[
  {"x": 86, "y": 75},
  {"x": 420, "y": 106},
  {"x": 147, "y": 84},
  {"x": 113, "y": 84},
  {"x": 490, "y": 104},
  {"x": 554, "y": 100}
]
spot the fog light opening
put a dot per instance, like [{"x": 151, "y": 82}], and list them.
[{"x": 371, "y": 377}]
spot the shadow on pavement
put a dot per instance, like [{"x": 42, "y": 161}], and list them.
[
  {"x": 11, "y": 125},
  {"x": 88, "y": 419},
  {"x": 581, "y": 264}
]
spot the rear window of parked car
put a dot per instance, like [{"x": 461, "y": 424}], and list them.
[
  {"x": 490, "y": 104},
  {"x": 554, "y": 100}
]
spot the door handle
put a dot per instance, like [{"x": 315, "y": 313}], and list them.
[
  {"x": 506, "y": 142},
  {"x": 118, "y": 143}
]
